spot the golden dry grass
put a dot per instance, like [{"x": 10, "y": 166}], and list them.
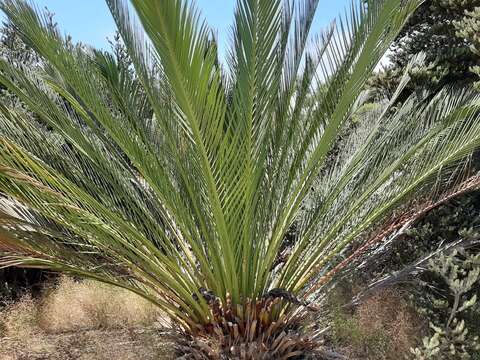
[
  {"x": 388, "y": 313},
  {"x": 82, "y": 320},
  {"x": 78, "y": 305},
  {"x": 383, "y": 327}
]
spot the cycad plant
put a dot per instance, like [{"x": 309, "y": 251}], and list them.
[{"x": 181, "y": 179}]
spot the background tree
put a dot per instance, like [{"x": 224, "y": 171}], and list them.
[
  {"x": 468, "y": 28},
  {"x": 442, "y": 29}
]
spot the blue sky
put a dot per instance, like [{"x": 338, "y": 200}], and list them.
[{"x": 89, "y": 20}]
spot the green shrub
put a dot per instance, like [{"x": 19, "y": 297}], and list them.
[{"x": 452, "y": 307}]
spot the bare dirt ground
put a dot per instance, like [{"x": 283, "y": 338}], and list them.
[{"x": 138, "y": 344}]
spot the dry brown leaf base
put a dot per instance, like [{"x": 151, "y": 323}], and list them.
[{"x": 260, "y": 330}]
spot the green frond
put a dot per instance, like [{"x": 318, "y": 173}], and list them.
[{"x": 409, "y": 154}]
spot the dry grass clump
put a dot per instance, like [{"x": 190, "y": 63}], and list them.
[
  {"x": 82, "y": 320},
  {"x": 20, "y": 319},
  {"x": 77, "y": 305},
  {"x": 73, "y": 305},
  {"x": 389, "y": 313},
  {"x": 383, "y": 327}
]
